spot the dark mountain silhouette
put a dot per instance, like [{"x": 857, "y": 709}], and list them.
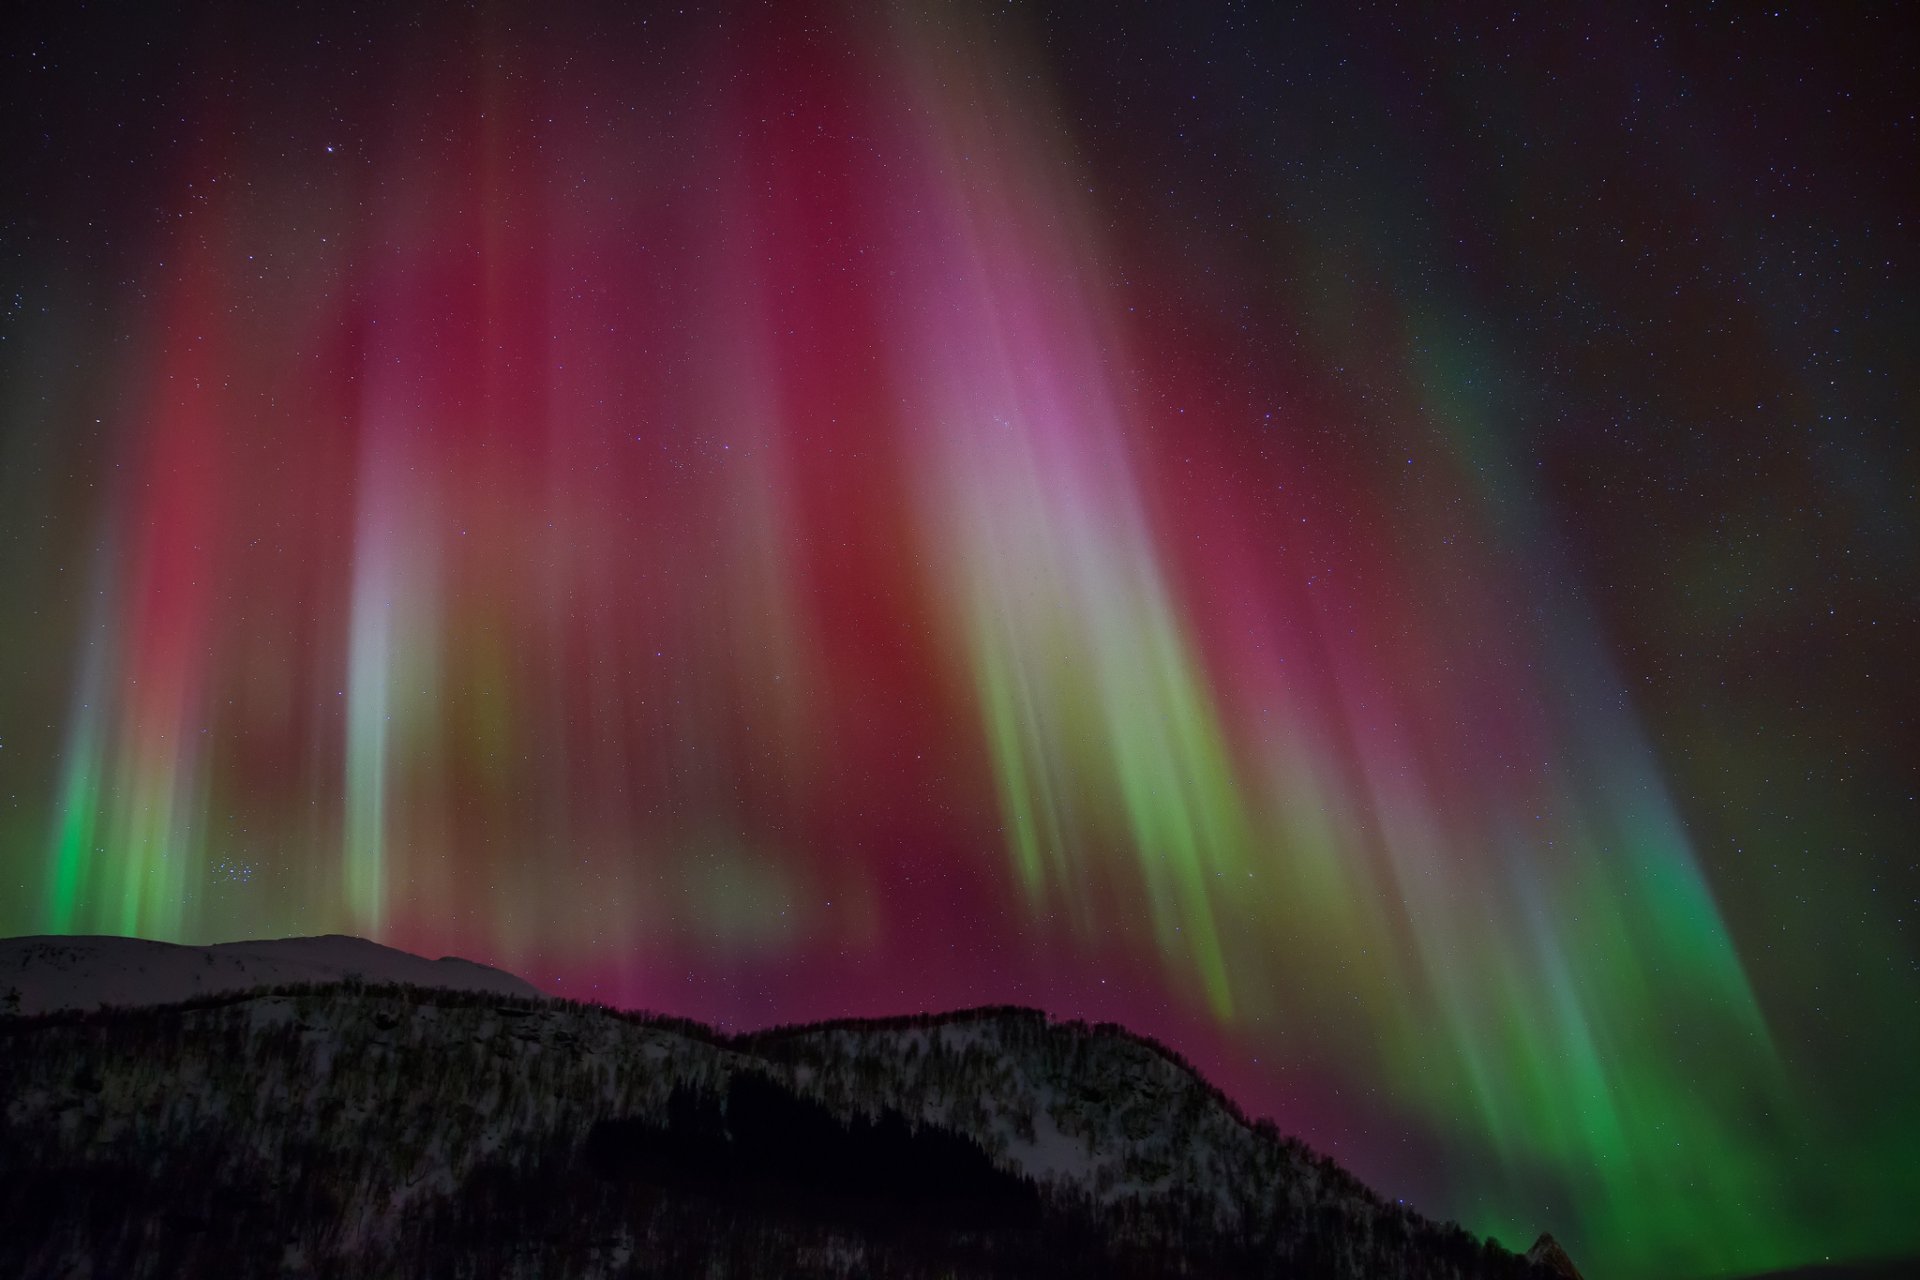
[
  {"x": 350, "y": 1129},
  {"x": 47, "y": 974},
  {"x": 1546, "y": 1252},
  {"x": 1882, "y": 1269}
]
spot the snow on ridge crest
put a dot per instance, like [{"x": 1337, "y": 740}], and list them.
[{"x": 53, "y": 973}]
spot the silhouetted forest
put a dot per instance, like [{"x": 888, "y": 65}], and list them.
[
  {"x": 371, "y": 1131},
  {"x": 762, "y": 1145}
]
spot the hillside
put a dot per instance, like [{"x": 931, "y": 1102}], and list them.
[
  {"x": 46, "y": 974},
  {"x": 350, "y": 1129}
]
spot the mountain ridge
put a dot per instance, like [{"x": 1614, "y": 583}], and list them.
[
  {"x": 576, "y": 1125},
  {"x": 44, "y": 973}
]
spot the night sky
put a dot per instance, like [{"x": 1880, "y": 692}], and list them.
[{"x": 1379, "y": 547}]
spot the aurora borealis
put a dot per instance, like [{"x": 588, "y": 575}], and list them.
[{"x": 1379, "y": 549}]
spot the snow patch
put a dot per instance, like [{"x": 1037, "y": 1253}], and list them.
[{"x": 48, "y": 974}]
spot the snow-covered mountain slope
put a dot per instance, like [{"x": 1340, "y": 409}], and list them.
[
  {"x": 1546, "y": 1252},
  {"x": 52, "y": 973},
  {"x": 361, "y": 1129},
  {"x": 1096, "y": 1108}
]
